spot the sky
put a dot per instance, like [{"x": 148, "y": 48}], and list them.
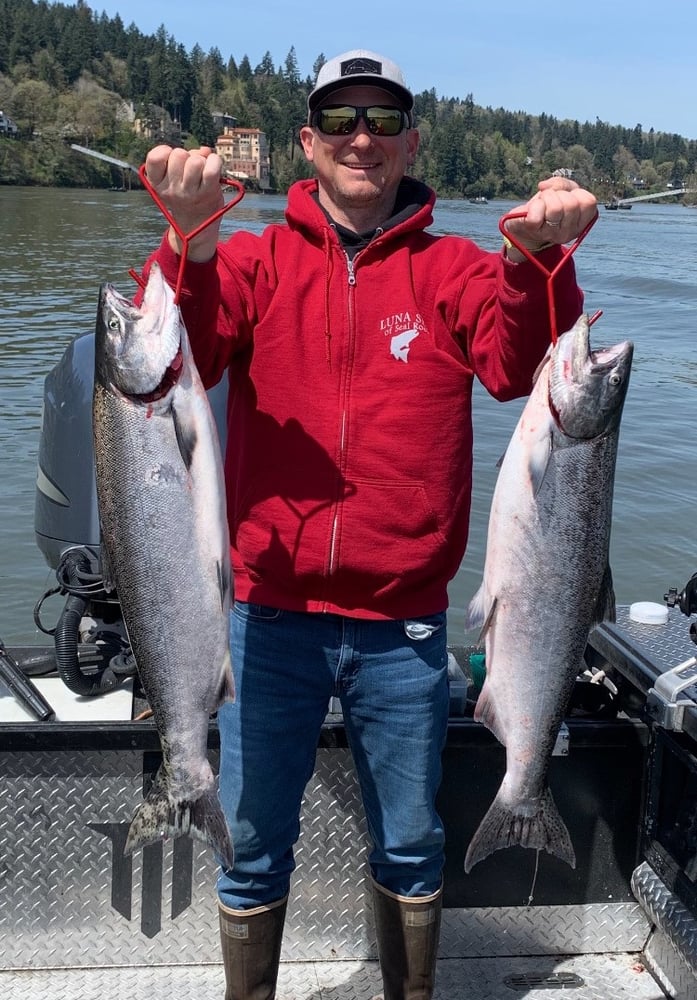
[{"x": 624, "y": 63}]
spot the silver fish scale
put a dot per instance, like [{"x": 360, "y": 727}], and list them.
[{"x": 135, "y": 511}]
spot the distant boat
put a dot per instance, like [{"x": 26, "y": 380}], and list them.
[
  {"x": 616, "y": 203},
  {"x": 480, "y": 200}
]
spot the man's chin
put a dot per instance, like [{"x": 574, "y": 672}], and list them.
[{"x": 361, "y": 188}]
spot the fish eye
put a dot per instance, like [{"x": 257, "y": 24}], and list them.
[
  {"x": 113, "y": 323},
  {"x": 615, "y": 379}
]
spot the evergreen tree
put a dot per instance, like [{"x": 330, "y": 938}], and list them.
[
  {"x": 291, "y": 74},
  {"x": 202, "y": 126},
  {"x": 137, "y": 69},
  {"x": 265, "y": 67},
  {"x": 77, "y": 44},
  {"x": 25, "y": 38}
]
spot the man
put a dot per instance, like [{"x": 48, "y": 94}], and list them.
[{"x": 351, "y": 337}]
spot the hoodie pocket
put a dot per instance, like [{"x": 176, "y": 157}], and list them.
[{"x": 388, "y": 532}]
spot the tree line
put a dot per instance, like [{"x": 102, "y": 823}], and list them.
[{"x": 71, "y": 75}]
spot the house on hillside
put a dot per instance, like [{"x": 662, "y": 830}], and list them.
[
  {"x": 157, "y": 125},
  {"x": 223, "y": 121},
  {"x": 7, "y": 126},
  {"x": 245, "y": 155}
]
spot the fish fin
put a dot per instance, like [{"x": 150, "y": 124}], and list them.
[
  {"x": 605, "y": 609},
  {"x": 222, "y": 569},
  {"x": 540, "y": 454},
  {"x": 186, "y": 437},
  {"x": 227, "y": 683},
  {"x": 485, "y": 712},
  {"x": 541, "y": 365},
  {"x": 105, "y": 568},
  {"x": 503, "y": 827},
  {"x": 158, "y": 817},
  {"x": 480, "y": 614}
]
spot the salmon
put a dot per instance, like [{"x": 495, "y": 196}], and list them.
[
  {"x": 165, "y": 547},
  {"x": 546, "y": 579}
]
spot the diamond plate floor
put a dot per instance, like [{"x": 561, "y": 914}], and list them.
[{"x": 584, "y": 977}]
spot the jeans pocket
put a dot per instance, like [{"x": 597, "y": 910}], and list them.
[
  {"x": 256, "y": 612},
  {"x": 419, "y": 629}
]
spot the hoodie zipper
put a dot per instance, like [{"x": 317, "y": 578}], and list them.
[{"x": 351, "y": 270}]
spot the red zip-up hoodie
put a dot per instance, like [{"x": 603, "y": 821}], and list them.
[{"x": 349, "y": 446}]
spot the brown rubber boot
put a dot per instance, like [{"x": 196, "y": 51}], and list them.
[
  {"x": 407, "y": 930},
  {"x": 251, "y": 944}
]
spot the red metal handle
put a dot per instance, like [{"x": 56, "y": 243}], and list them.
[
  {"x": 549, "y": 274},
  {"x": 185, "y": 237}
]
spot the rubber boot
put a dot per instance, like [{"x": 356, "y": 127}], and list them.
[
  {"x": 251, "y": 944},
  {"x": 407, "y": 930}
]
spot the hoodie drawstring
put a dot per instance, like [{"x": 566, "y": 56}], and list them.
[{"x": 327, "y": 311}]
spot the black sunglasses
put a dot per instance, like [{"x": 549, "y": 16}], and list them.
[{"x": 342, "y": 119}]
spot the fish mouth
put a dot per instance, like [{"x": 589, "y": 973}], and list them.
[
  {"x": 604, "y": 358},
  {"x": 600, "y": 360},
  {"x": 586, "y": 387}
]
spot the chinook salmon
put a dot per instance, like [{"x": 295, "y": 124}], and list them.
[
  {"x": 546, "y": 579},
  {"x": 165, "y": 547}
]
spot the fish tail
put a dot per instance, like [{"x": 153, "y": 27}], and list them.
[
  {"x": 159, "y": 817},
  {"x": 502, "y": 826}
]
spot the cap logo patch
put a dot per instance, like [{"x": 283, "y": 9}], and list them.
[{"x": 357, "y": 66}]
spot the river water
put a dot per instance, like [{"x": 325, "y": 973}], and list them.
[{"x": 638, "y": 266}]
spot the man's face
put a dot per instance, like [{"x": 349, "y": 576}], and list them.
[{"x": 360, "y": 170}]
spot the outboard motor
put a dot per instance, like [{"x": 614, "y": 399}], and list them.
[
  {"x": 66, "y": 524},
  {"x": 65, "y": 508},
  {"x": 90, "y": 632}
]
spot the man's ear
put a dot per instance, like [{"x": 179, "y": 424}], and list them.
[{"x": 307, "y": 140}]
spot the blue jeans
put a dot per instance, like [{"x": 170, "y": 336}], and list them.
[{"x": 392, "y": 680}]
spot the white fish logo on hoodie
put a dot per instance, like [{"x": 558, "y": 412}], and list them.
[
  {"x": 399, "y": 345},
  {"x": 402, "y": 328}
]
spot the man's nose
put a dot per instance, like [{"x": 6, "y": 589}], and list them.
[{"x": 362, "y": 135}]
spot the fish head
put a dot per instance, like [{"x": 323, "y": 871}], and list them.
[
  {"x": 138, "y": 349},
  {"x": 587, "y": 388}
]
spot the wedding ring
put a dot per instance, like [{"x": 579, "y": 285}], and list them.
[{"x": 553, "y": 225}]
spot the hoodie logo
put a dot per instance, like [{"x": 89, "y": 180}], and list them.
[
  {"x": 399, "y": 345},
  {"x": 402, "y": 328}
]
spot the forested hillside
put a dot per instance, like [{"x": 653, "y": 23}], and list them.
[{"x": 69, "y": 74}]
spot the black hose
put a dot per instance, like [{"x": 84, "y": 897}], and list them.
[
  {"x": 66, "y": 637},
  {"x": 66, "y": 642}
]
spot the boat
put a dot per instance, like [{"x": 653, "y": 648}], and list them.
[
  {"x": 616, "y": 203},
  {"x": 480, "y": 200},
  {"x": 87, "y": 922}
]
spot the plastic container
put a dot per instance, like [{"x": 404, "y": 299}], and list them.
[{"x": 648, "y": 613}]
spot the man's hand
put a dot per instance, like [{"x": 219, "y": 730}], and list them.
[
  {"x": 188, "y": 183},
  {"x": 558, "y": 213}
]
